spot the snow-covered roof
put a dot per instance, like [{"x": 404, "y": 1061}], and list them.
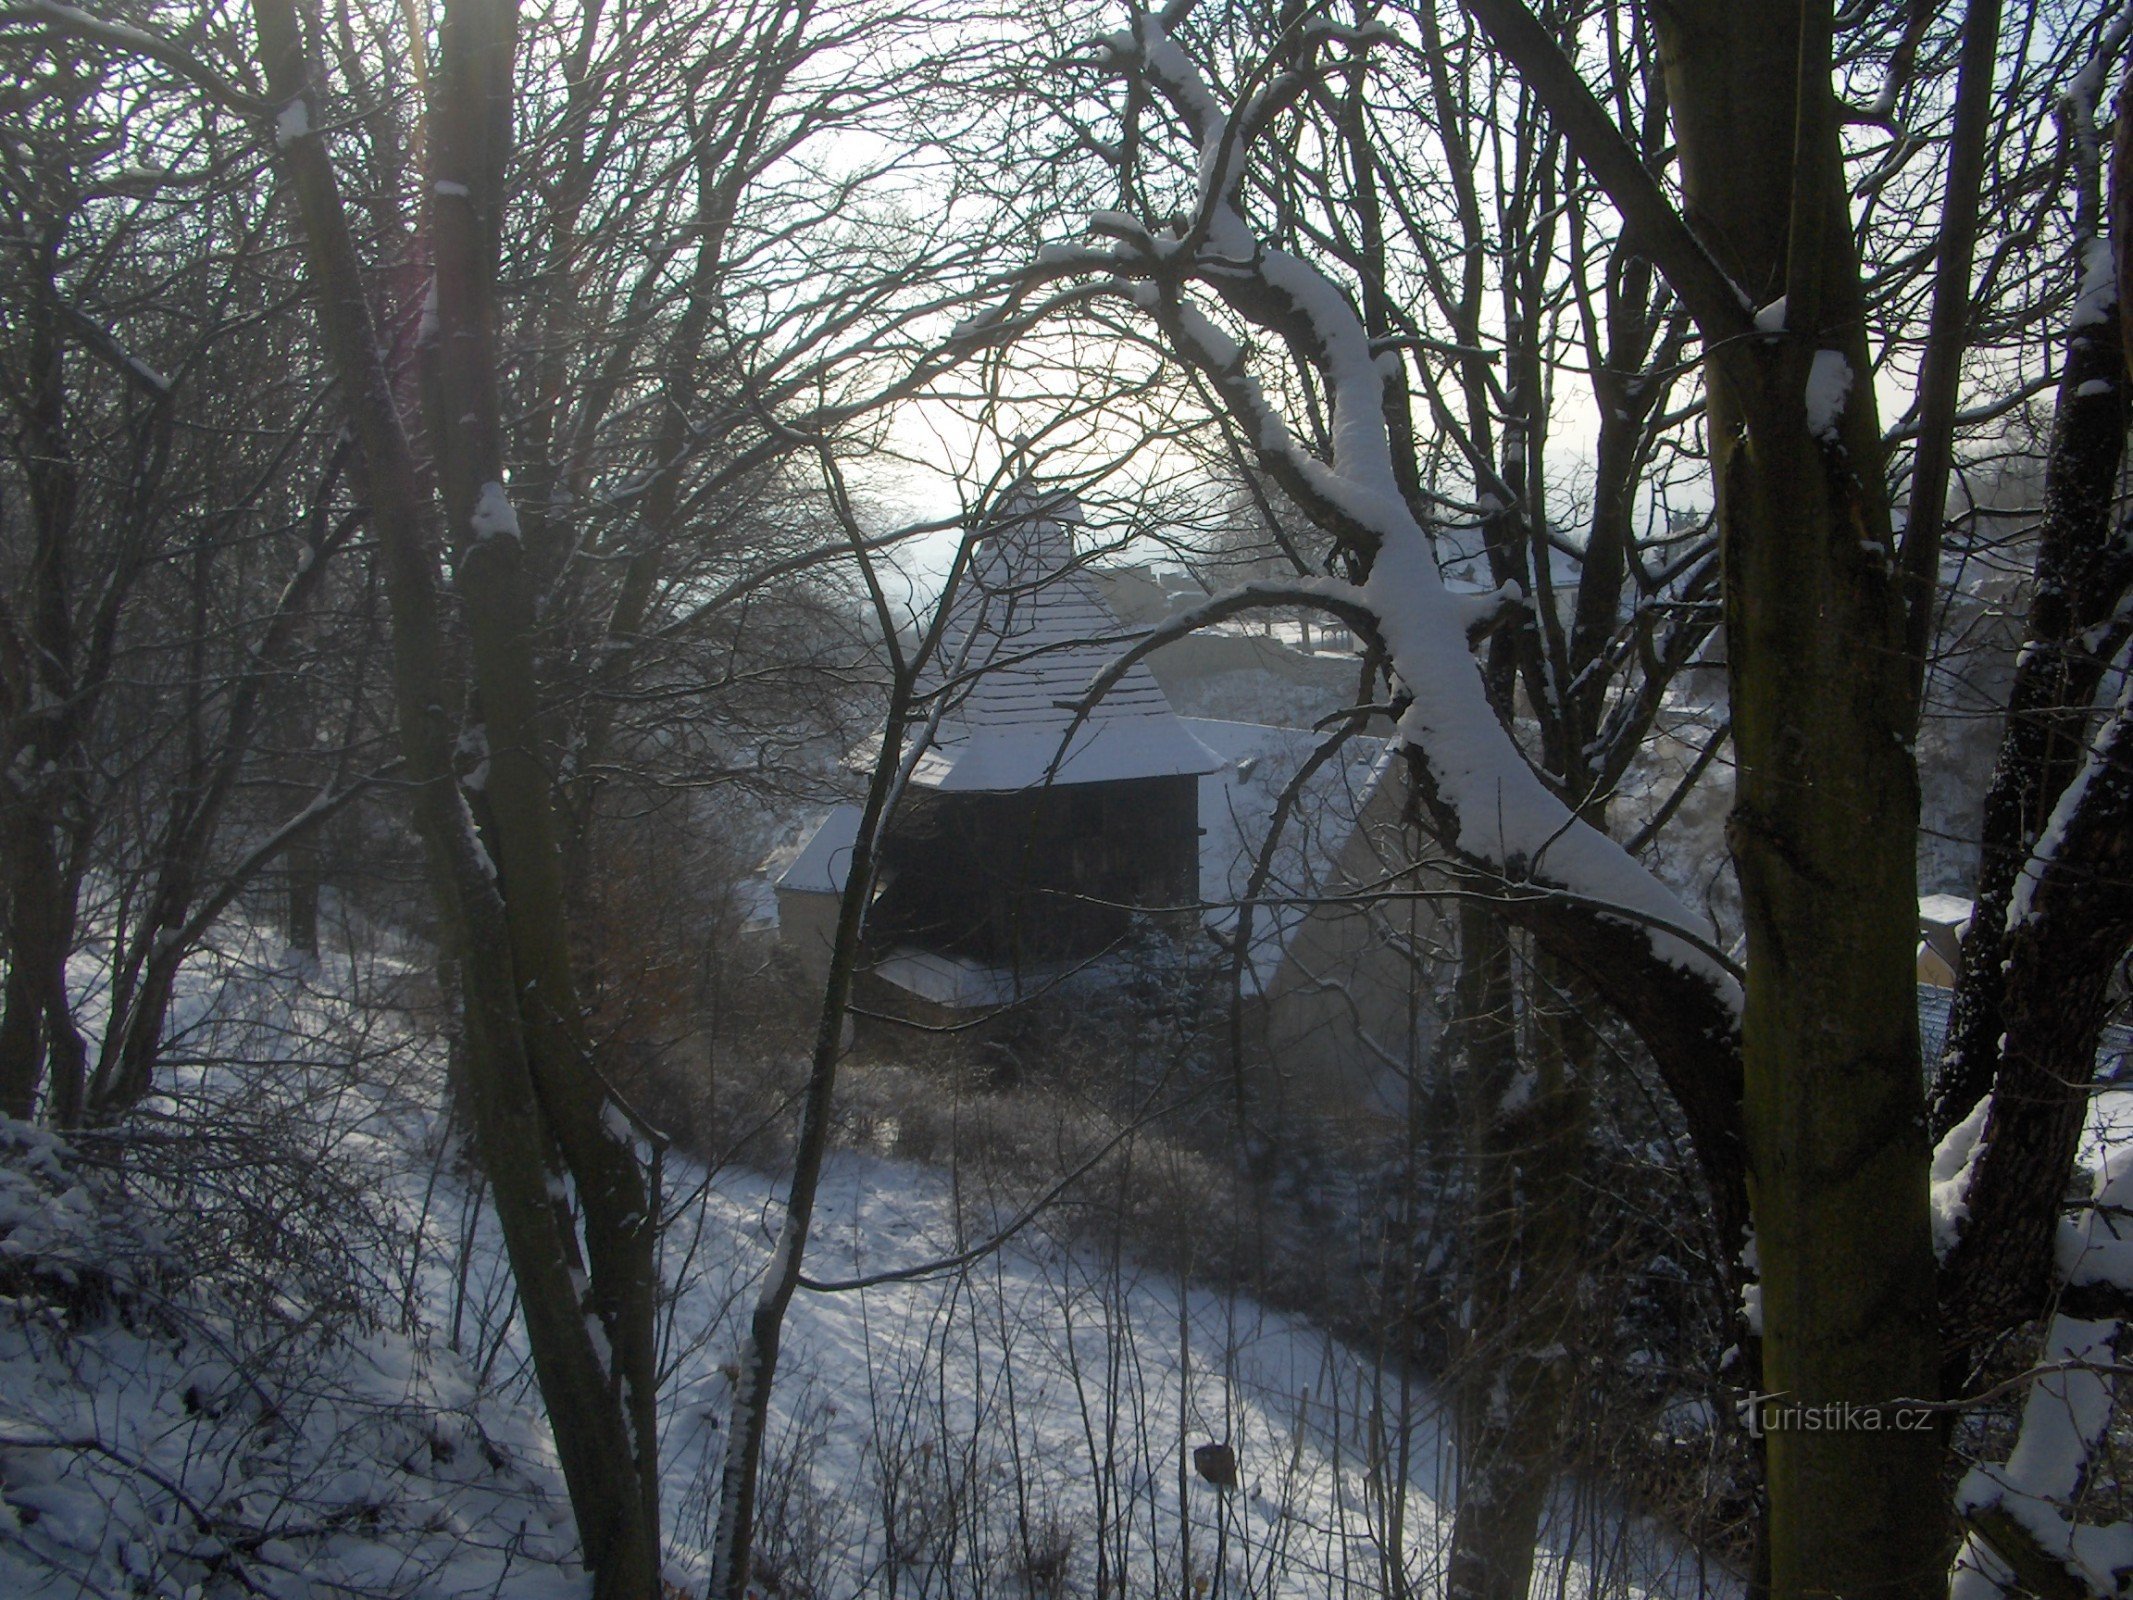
[
  {"x": 957, "y": 981},
  {"x": 756, "y": 899},
  {"x": 824, "y": 859},
  {"x": 1237, "y": 804},
  {"x": 1025, "y": 634},
  {"x": 1943, "y": 920}
]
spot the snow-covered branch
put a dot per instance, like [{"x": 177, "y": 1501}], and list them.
[
  {"x": 2021, "y": 1532},
  {"x": 2077, "y": 106},
  {"x": 1342, "y": 600},
  {"x": 74, "y": 23},
  {"x": 1488, "y": 803}
]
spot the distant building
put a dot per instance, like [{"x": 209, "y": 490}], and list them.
[
  {"x": 1021, "y": 856},
  {"x": 1943, "y": 919},
  {"x": 1336, "y": 988}
]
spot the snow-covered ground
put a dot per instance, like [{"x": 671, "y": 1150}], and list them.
[
  {"x": 179, "y": 1418},
  {"x": 203, "y": 1389},
  {"x": 1056, "y": 1394}
]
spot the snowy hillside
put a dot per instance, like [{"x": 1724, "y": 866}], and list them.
[
  {"x": 997, "y": 1419},
  {"x": 279, "y": 1358}
]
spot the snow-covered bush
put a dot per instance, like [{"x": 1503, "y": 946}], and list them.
[{"x": 179, "y": 1424}]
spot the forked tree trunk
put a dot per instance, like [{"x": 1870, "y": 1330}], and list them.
[
  {"x": 544, "y": 1127},
  {"x": 1822, "y": 834},
  {"x": 470, "y": 140}
]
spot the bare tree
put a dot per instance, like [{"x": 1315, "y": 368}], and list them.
[
  {"x": 167, "y": 555},
  {"x": 645, "y": 401},
  {"x": 1824, "y": 655}
]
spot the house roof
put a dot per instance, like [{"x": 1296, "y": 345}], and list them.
[
  {"x": 825, "y": 857},
  {"x": 1936, "y": 1011},
  {"x": 1237, "y": 803},
  {"x": 1026, "y": 632}
]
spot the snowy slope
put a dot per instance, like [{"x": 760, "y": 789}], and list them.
[
  {"x": 1054, "y": 1388},
  {"x": 158, "y": 1440},
  {"x": 206, "y": 1385},
  {"x": 204, "y": 1393}
]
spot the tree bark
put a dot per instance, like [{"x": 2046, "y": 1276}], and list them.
[
  {"x": 2030, "y": 1001},
  {"x": 1825, "y": 821},
  {"x": 540, "y": 1118}
]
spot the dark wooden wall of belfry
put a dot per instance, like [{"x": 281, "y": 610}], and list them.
[{"x": 1041, "y": 875}]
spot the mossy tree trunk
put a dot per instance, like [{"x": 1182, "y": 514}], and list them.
[{"x": 1825, "y": 821}]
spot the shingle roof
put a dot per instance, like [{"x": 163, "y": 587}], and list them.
[
  {"x": 821, "y": 863},
  {"x": 1025, "y": 635}
]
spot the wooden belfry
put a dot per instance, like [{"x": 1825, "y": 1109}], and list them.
[{"x": 1008, "y": 850}]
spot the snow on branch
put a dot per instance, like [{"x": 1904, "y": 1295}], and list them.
[
  {"x": 1491, "y": 807},
  {"x": 105, "y": 345},
  {"x": 2094, "y": 801},
  {"x": 1955, "y": 1164},
  {"x": 74, "y": 23},
  {"x": 2095, "y": 1249},
  {"x": 2086, "y": 86},
  {"x": 2021, "y": 1533}
]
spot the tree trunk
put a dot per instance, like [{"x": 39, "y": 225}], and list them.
[
  {"x": 306, "y": 875},
  {"x": 540, "y": 1118},
  {"x": 36, "y": 1026},
  {"x": 2083, "y": 568},
  {"x": 1825, "y": 823},
  {"x": 2070, "y": 930},
  {"x": 756, "y": 1365},
  {"x": 1526, "y": 1126},
  {"x": 40, "y": 1047},
  {"x": 2053, "y": 912},
  {"x": 21, "y": 1042}
]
